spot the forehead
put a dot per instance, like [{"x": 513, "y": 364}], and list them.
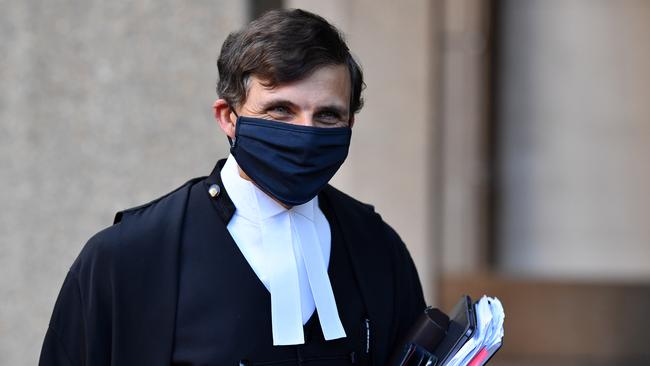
[{"x": 327, "y": 85}]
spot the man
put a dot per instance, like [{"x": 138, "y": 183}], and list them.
[{"x": 261, "y": 262}]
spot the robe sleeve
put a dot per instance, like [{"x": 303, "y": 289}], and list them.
[
  {"x": 409, "y": 298},
  {"x": 64, "y": 343}
]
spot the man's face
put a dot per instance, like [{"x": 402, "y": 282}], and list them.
[{"x": 322, "y": 99}]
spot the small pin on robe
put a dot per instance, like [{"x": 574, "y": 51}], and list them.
[{"x": 214, "y": 190}]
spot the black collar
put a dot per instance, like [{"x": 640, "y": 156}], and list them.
[{"x": 222, "y": 202}]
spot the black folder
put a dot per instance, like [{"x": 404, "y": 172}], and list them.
[
  {"x": 436, "y": 337},
  {"x": 461, "y": 328}
]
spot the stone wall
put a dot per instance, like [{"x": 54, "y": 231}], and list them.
[{"x": 104, "y": 105}]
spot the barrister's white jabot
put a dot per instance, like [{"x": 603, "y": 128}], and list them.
[{"x": 289, "y": 254}]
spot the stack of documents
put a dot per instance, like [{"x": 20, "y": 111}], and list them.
[
  {"x": 468, "y": 337},
  {"x": 486, "y": 338}
]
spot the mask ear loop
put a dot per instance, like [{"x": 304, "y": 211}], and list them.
[{"x": 230, "y": 140}]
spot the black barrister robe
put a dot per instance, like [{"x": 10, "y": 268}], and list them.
[
  {"x": 204, "y": 336},
  {"x": 117, "y": 305}
]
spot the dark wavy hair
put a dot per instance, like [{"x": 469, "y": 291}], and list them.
[{"x": 283, "y": 46}]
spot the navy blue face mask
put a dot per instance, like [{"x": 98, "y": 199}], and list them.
[{"x": 290, "y": 162}]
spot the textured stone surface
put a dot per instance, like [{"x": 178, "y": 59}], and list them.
[{"x": 103, "y": 105}]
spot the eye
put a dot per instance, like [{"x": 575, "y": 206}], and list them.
[
  {"x": 278, "y": 110},
  {"x": 329, "y": 117}
]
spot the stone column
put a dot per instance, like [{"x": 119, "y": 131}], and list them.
[
  {"x": 574, "y": 84},
  {"x": 465, "y": 112}
]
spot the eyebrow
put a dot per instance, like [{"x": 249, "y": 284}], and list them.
[{"x": 277, "y": 102}]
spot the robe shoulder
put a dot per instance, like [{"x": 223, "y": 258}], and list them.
[
  {"x": 127, "y": 261},
  {"x": 132, "y": 227},
  {"x": 151, "y": 205},
  {"x": 370, "y": 222},
  {"x": 368, "y": 232}
]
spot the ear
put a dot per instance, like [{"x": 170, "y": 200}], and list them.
[{"x": 225, "y": 117}]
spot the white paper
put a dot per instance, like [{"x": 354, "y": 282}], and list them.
[{"x": 488, "y": 332}]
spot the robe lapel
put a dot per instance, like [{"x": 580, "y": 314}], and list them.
[
  {"x": 144, "y": 304},
  {"x": 145, "y": 281},
  {"x": 371, "y": 265}
]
